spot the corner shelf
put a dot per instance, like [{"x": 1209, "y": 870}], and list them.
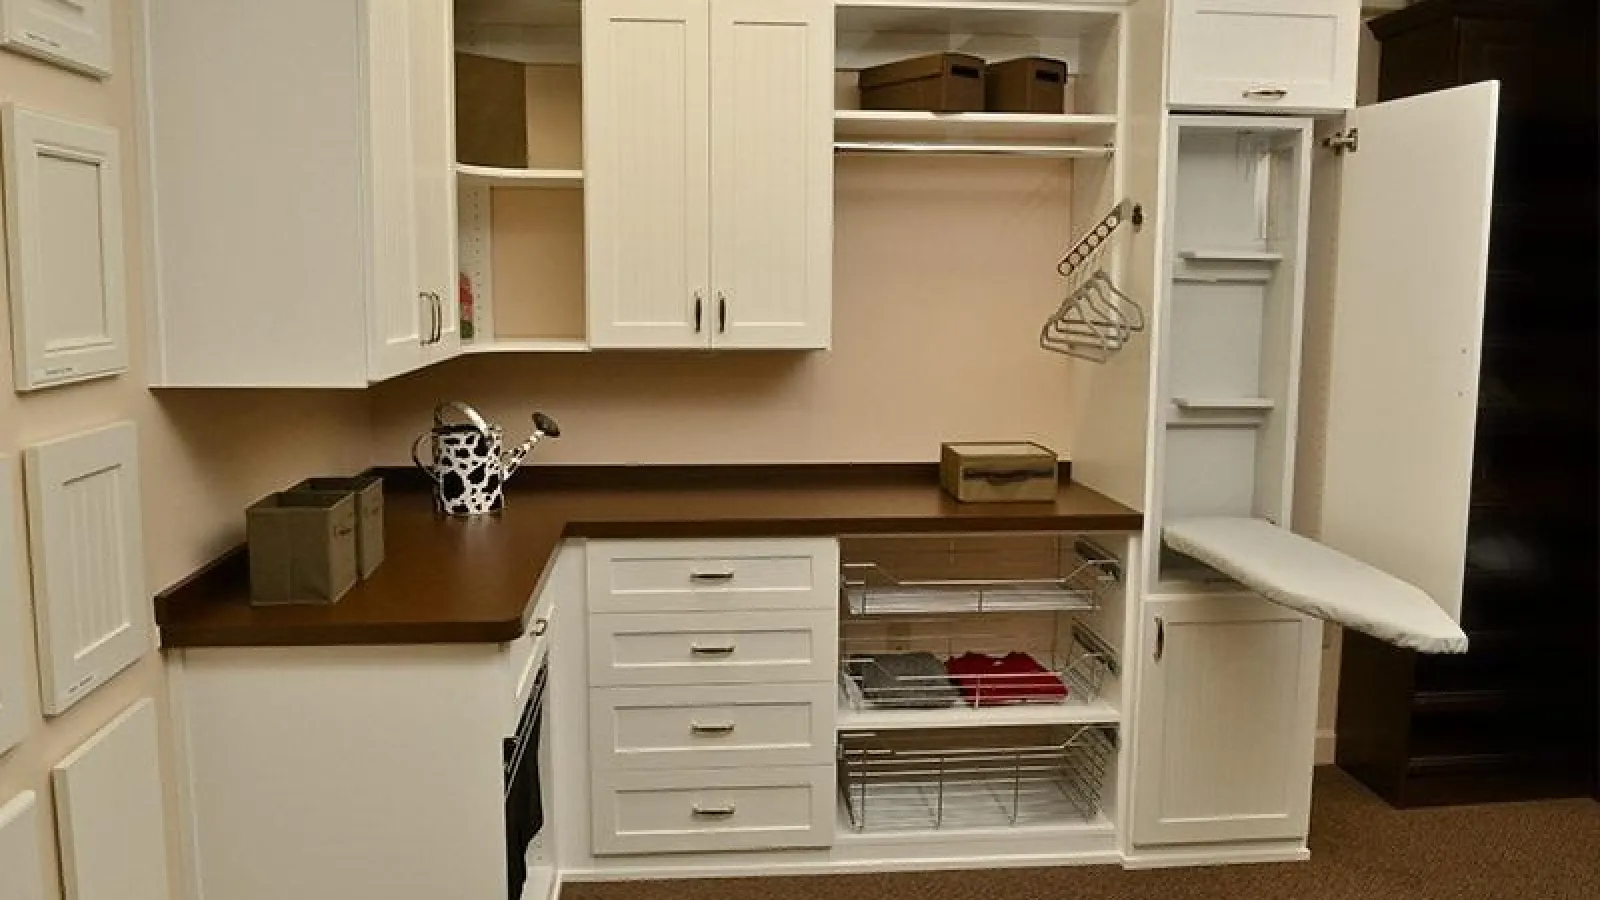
[
  {"x": 489, "y": 176},
  {"x": 537, "y": 345},
  {"x": 1224, "y": 404},
  {"x": 906, "y": 125}
]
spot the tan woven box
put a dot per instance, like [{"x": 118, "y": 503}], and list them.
[{"x": 998, "y": 472}]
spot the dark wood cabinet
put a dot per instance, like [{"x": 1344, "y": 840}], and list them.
[{"x": 1515, "y": 717}]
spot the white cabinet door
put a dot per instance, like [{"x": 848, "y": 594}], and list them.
[
  {"x": 1407, "y": 335},
  {"x": 14, "y": 712},
  {"x": 71, "y": 33},
  {"x": 431, "y": 75},
  {"x": 92, "y": 610},
  {"x": 1264, "y": 54},
  {"x": 63, "y": 206},
  {"x": 647, "y": 172},
  {"x": 401, "y": 313},
  {"x": 771, "y": 172},
  {"x": 21, "y": 862},
  {"x": 111, "y": 812},
  {"x": 1226, "y": 721}
]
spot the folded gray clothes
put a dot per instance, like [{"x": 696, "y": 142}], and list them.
[{"x": 905, "y": 681}]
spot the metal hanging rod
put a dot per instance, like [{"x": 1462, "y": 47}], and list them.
[{"x": 1042, "y": 150}]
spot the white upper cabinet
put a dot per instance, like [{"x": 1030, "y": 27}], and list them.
[
  {"x": 303, "y": 188},
  {"x": 1291, "y": 55},
  {"x": 709, "y": 172},
  {"x": 1407, "y": 335}
]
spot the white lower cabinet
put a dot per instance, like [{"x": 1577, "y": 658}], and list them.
[{"x": 1226, "y": 721}]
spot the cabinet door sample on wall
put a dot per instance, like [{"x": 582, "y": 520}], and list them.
[
  {"x": 111, "y": 812},
  {"x": 63, "y": 208},
  {"x": 20, "y": 860},
  {"x": 13, "y": 596},
  {"x": 88, "y": 561},
  {"x": 72, "y": 33}
]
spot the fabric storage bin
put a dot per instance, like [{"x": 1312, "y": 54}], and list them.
[
  {"x": 302, "y": 547},
  {"x": 368, "y": 491},
  {"x": 998, "y": 472},
  {"x": 1031, "y": 84},
  {"x": 942, "y": 82}
]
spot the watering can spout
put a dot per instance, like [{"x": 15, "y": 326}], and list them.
[{"x": 543, "y": 427}]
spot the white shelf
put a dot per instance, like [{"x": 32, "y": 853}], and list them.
[
  {"x": 1223, "y": 404},
  {"x": 1097, "y": 712},
  {"x": 1220, "y": 254},
  {"x": 899, "y": 125},
  {"x": 1017, "y": 18},
  {"x": 554, "y": 345},
  {"x": 490, "y": 176}
]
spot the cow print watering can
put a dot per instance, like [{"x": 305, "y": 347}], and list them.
[{"x": 468, "y": 470}]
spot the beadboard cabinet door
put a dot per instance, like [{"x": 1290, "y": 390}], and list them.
[
  {"x": 647, "y": 70},
  {"x": 772, "y": 173},
  {"x": 111, "y": 812},
  {"x": 21, "y": 863},
  {"x": 90, "y": 604},
  {"x": 1226, "y": 721},
  {"x": 14, "y": 712},
  {"x": 63, "y": 212}
]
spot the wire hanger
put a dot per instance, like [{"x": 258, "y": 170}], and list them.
[{"x": 1096, "y": 318}]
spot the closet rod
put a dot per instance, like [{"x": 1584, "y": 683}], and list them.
[{"x": 971, "y": 149}]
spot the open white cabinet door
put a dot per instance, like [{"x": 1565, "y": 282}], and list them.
[{"x": 1408, "y": 334}]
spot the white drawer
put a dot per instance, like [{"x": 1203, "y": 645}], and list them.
[
  {"x": 1264, "y": 54},
  {"x": 687, "y": 810},
  {"x": 702, "y": 648},
  {"x": 713, "y": 576},
  {"x": 708, "y": 726}
]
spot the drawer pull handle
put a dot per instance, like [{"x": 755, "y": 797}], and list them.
[
  {"x": 540, "y": 626},
  {"x": 718, "y": 650},
  {"x": 713, "y": 812},
  {"x": 1265, "y": 94},
  {"x": 710, "y": 576},
  {"x": 717, "y": 728}
]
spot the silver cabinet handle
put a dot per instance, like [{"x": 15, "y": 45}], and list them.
[
  {"x": 713, "y": 812},
  {"x": 699, "y": 308},
  {"x": 1161, "y": 638},
  {"x": 1265, "y": 94},
  {"x": 426, "y": 337},
  {"x": 722, "y": 313},
  {"x": 540, "y": 626},
  {"x": 438, "y": 318},
  {"x": 717, "y": 650},
  {"x": 717, "y": 728},
  {"x": 723, "y": 575}
]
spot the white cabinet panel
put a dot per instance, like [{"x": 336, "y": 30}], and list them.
[
  {"x": 20, "y": 860},
  {"x": 14, "y": 711},
  {"x": 646, "y": 172},
  {"x": 713, "y": 576},
  {"x": 90, "y": 603},
  {"x": 1408, "y": 334},
  {"x": 73, "y": 33},
  {"x": 772, "y": 172},
  {"x": 63, "y": 208},
  {"x": 431, "y": 78},
  {"x": 1264, "y": 54},
  {"x": 111, "y": 814},
  {"x": 713, "y": 648},
  {"x": 1226, "y": 721},
  {"x": 714, "y": 810},
  {"x": 706, "y": 726}
]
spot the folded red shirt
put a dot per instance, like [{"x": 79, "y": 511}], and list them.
[{"x": 1014, "y": 678}]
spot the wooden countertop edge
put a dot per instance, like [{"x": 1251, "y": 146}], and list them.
[{"x": 223, "y": 574}]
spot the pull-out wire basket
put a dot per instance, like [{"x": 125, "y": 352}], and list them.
[
  {"x": 1075, "y": 673},
  {"x": 908, "y": 781},
  {"x": 956, "y": 575}
]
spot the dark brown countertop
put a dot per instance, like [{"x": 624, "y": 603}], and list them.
[{"x": 472, "y": 580}]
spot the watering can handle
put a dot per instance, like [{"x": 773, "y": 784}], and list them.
[
  {"x": 417, "y": 458},
  {"x": 467, "y": 412}
]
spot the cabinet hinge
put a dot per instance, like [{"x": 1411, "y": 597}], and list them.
[{"x": 1341, "y": 142}]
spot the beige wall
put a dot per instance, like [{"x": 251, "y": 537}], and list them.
[
  {"x": 204, "y": 455},
  {"x": 944, "y": 270}
]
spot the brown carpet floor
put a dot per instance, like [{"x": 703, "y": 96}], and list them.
[{"x": 1360, "y": 850}]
